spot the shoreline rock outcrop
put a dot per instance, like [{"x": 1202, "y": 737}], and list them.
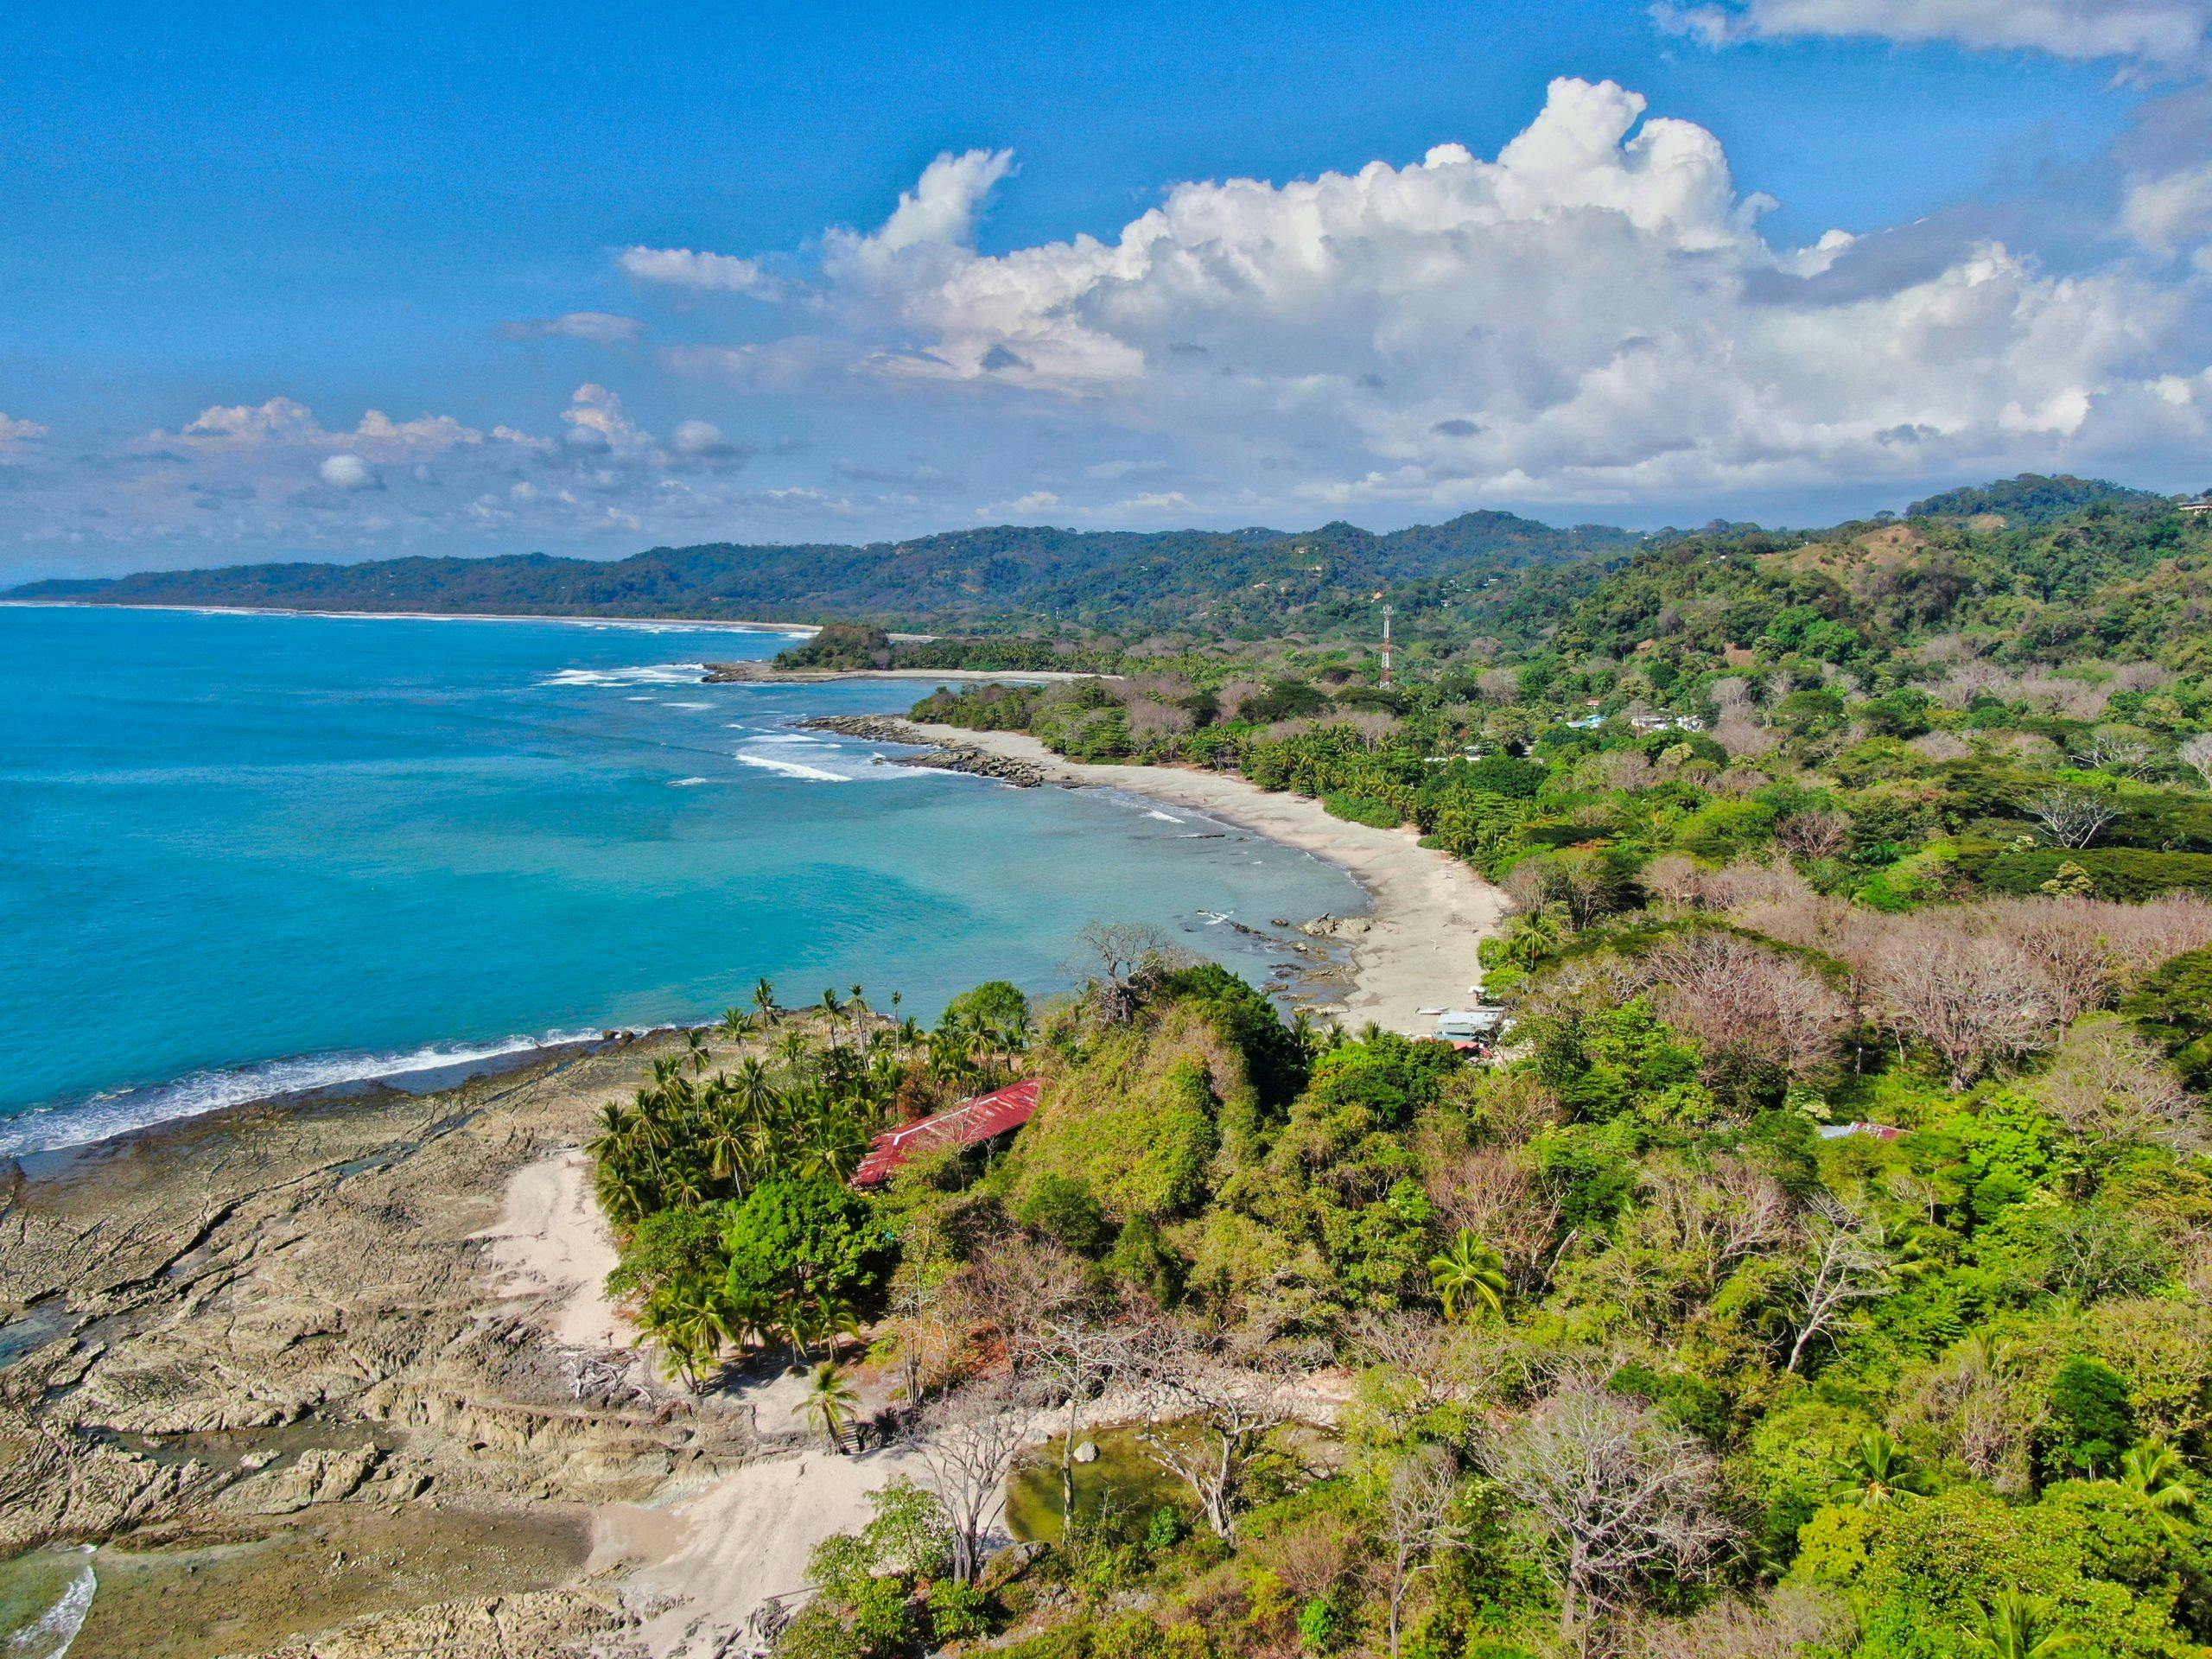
[{"x": 940, "y": 757}]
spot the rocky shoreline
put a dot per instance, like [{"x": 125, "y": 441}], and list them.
[
  {"x": 938, "y": 756},
  {"x": 253, "y": 1357}
]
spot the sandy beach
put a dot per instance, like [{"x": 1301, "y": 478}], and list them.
[{"x": 1417, "y": 947}]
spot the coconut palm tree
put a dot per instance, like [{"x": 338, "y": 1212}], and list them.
[
  {"x": 695, "y": 1048},
  {"x": 1469, "y": 1275},
  {"x": 828, "y": 1405},
  {"x": 728, "y": 1147},
  {"x": 2153, "y": 1471},
  {"x": 1873, "y": 1472},
  {"x": 612, "y": 1136},
  {"x": 734, "y": 1025},
  {"x": 686, "y": 1316},
  {"x": 763, "y": 1002},
  {"x": 2011, "y": 1629}
]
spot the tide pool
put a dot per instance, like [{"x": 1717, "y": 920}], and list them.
[{"x": 244, "y": 853}]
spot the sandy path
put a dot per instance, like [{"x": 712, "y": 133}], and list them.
[
  {"x": 552, "y": 1247},
  {"x": 747, "y": 1539},
  {"x": 1430, "y": 910}
]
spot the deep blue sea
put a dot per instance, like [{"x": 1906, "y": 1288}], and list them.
[{"x": 247, "y": 854}]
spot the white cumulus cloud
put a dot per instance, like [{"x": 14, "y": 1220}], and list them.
[
  {"x": 712, "y": 273},
  {"x": 1595, "y": 315},
  {"x": 348, "y": 472}
]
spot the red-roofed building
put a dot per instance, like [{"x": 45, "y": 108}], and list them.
[{"x": 969, "y": 1124}]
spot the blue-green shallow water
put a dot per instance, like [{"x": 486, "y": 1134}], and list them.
[{"x": 240, "y": 855}]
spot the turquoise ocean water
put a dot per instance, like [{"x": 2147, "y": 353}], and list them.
[{"x": 241, "y": 855}]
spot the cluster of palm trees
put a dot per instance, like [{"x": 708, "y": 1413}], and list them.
[
  {"x": 819, "y": 1084},
  {"x": 803, "y": 1097}
]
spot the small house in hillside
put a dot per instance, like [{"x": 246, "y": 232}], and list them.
[{"x": 971, "y": 1123}]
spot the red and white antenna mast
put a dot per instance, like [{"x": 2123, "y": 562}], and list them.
[{"x": 1386, "y": 614}]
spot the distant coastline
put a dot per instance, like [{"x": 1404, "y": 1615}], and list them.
[{"x": 798, "y": 630}]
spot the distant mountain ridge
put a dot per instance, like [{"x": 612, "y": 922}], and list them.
[{"x": 1010, "y": 574}]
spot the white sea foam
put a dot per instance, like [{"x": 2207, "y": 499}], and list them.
[
  {"x": 79, "y": 1123},
  {"x": 49, "y": 1635},
  {"x": 792, "y": 769},
  {"x": 666, "y": 704},
  {"x": 1164, "y": 817},
  {"x": 646, "y": 674},
  {"x": 686, "y": 783}
]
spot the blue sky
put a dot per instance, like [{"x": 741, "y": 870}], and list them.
[{"x": 233, "y": 234}]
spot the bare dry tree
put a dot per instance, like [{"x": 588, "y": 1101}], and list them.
[
  {"x": 2195, "y": 753},
  {"x": 1940, "y": 746},
  {"x": 1015, "y": 1287},
  {"x": 1375, "y": 727},
  {"x": 1972, "y": 1001},
  {"x": 1717, "y": 1217},
  {"x": 1744, "y": 738},
  {"x": 1624, "y": 1496},
  {"x": 1674, "y": 880},
  {"x": 2071, "y": 818},
  {"x": 1420, "y": 1518},
  {"x": 1842, "y": 1264},
  {"x": 966, "y": 1442},
  {"x": 1119, "y": 956},
  {"x": 2106, "y": 1085},
  {"x": 1815, "y": 834},
  {"x": 1149, "y": 718},
  {"x": 1207, "y": 1418},
  {"x": 2123, "y": 753},
  {"x": 1498, "y": 684},
  {"x": 1075, "y": 1358},
  {"x": 1743, "y": 999}
]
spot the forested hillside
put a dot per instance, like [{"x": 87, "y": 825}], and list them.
[{"x": 1009, "y": 576}]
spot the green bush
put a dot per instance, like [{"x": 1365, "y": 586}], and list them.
[
  {"x": 1062, "y": 1208},
  {"x": 2173, "y": 1009},
  {"x": 1359, "y": 809}
]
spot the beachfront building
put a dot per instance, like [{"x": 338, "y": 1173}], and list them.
[{"x": 974, "y": 1122}]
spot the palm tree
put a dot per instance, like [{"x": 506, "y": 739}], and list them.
[
  {"x": 614, "y": 1136},
  {"x": 763, "y": 1002},
  {"x": 1469, "y": 1275},
  {"x": 828, "y": 1405},
  {"x": 2011, "y": 1629},
  {"x": 726, "y": 1145},
  {"x": 735, "y": 1024},
  {"x": 686, "y": 1315},
  {"x": 695, "y": 1048},
  {"x": 1872, "y": 1472},
  {"x": 2153, "y": 1472}
]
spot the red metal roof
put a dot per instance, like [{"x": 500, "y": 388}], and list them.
[{"x": 972, "y": 1121}]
